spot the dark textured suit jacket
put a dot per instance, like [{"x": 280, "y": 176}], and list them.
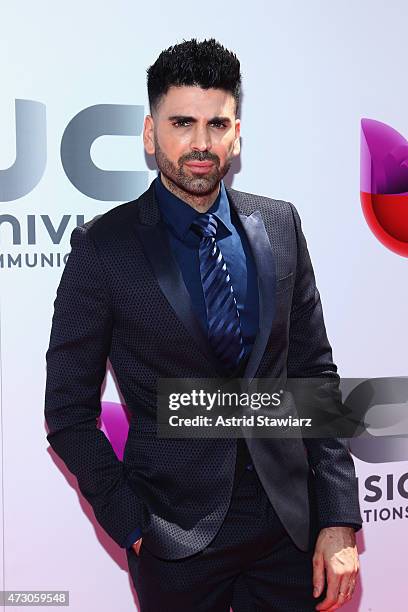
[{"x": 122, "y": 296}]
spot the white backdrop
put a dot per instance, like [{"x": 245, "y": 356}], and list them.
[{"x": 311, "y": 71}]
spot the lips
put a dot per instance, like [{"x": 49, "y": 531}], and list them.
[{"x": 200, "y": 167}]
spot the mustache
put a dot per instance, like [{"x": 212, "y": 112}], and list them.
[{"x": 200, "y": 156}]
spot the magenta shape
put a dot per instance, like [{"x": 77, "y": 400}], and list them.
[
  {"x": 384, "y": 159},
  {"x": 115, "y": 426}
]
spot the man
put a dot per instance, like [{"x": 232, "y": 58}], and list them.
[{"x": 196, "y": 280}]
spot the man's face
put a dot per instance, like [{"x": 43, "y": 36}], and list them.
[{"x": 194, "y": 135}]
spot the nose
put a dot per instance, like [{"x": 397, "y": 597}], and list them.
[{"x": 200, "y": 140}]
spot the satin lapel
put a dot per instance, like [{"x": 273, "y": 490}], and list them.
[
  {"x": 265, "y": 264},
  {"x": 157, "y": 249}
]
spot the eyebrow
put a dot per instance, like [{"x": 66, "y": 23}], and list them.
[{"x": 194, "y": 120}]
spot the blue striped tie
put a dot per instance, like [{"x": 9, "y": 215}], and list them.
[{"x": 224, "y": 330}]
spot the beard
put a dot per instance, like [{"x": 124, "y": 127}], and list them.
[{"x": 194, "y": 185}]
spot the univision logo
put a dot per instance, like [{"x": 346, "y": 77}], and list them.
[{"x": 384, "y": 184}]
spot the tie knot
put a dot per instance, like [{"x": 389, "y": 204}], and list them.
[{"x": 205, "y": 225}]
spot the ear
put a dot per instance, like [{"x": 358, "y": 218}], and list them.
[
  {"x": 237, "y": 144},
  {"x": 148, "y": 135}
]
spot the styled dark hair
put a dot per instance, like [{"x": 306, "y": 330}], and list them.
[{"x": 204, "y": 64}]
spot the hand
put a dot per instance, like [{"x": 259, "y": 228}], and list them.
[
  {"x": 335, "y": 552},
  {"x": 136, "y": 546}
]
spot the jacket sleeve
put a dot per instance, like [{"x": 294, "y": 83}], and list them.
[
  {"x": 76, "y": 364},
  {"x": 310, "y": 355}
]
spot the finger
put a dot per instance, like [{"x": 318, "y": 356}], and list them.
[
  {"x": 351, "y": 587},
  {"x": 333, "y": 581},
  {"x": 344, "y": 589},
  {"x": 137, "y": 545},
  {"x": 344, "y": 593},
  {"x": 318, "y": 574}
]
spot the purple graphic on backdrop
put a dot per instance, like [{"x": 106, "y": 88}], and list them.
[
  {"x": 384, "y": 184},
  {"x": 115, "y": 425}
]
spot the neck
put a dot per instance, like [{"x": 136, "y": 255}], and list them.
[{"x": 201, "y": 203}]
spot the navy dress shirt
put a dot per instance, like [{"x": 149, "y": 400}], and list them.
[{"x": 233, "y": 243}]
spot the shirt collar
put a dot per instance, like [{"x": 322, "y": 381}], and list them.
[{"x": 179, "y": 215}]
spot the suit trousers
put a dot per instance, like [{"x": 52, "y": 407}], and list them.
[{"x": 251, "y": 564}]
